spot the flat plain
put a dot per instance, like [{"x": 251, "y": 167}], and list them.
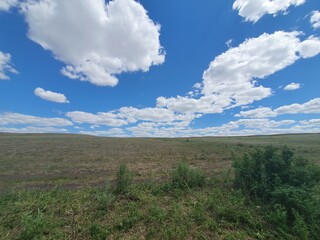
[{"x": 57, "y": 179}]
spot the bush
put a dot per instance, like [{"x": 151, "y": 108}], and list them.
[
  {"x": 184, "y": 177},
  {"x": 285, "y": 184},
  {"x": 105, "y": 198},
  {"x": 124, "y": 180},
  {"x": 260, "y": 173}
]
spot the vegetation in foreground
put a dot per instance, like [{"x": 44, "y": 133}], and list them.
[
  {"x": 71, "y": 187},
  {"x": 287, "y": 185},
  {"x": 272, "y": 196}
]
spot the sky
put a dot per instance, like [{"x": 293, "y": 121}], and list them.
[{"x": 126, "y": 68}]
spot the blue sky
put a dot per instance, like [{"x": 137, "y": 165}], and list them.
[{"x": 160, "y": 68}]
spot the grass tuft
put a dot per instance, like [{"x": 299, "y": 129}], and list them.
[{"x": 183, "y": 177}]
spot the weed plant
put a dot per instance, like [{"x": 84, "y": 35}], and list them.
[
  {"x": 286, "y": 185},
  {"x": 183, "y": 177}
]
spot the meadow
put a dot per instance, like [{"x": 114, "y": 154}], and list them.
[{"x": 56, "y": 186}]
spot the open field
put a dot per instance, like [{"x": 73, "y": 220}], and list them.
[
  {"x": 43, "y": 161},
  {"x": 53, "y": 187}
]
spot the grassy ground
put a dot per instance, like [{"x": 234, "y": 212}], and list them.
[
  {"x": 149, "y": 212},
  {"x": 53, "y": 187},
  {"x": 44, "y": 161}
]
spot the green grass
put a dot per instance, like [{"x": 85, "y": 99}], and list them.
[
  {"x": 65, "y": 187},
  {"x": 204, "y": 213}
]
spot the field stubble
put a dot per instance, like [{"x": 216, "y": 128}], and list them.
[{"x": 74, "y": 161}]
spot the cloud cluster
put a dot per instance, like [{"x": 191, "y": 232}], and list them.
[
  {"x": 95, "y": 40},
  {"x": 292, "y": 86},
  {"x": 253, "y": 10},
  {"x": 231, "y": 79},
  {"x": 312, "y": 106},
  {"x": 6, "y": 66},
  {"x": 241, "y": 127},
  {"x": 31, "y": 129},
  {"x": 5, "y": 5},
  {"x": 101, "y": 118},
  {"x": 129, "y": 115},
  {"x": 22, "y": 119},
  {"x": 315, "y": 19},
  {"x": 50, "y": 96},
  {"x": 233, "y": 128}
]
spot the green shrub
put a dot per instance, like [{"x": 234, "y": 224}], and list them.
[
  {"x": 285, "y": 184},
  {"x": 260, "y": 173},
  {"x": 105, "y": 198},
  {"x": 124, "y": 180},
  {"x": 184, "y": 177}
]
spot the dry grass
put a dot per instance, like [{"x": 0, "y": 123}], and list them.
[{"x": 72, "y": 161}]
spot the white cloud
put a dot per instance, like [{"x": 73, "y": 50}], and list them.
[
  {"x": 6, "y": 66},
  {"x": 31, "y": 129},
  {"x": 310, "y": 47},
  {"x": 127, "y": 115},
  {"x": 146, "y": 114},
  {"x": 22, "y": 119},
  {"x": 313, "y": 106},
  {"x": 231, "y": 79},
  {"x": 262, "y": 112},
  {"x": 205, "y": 104},
  {"x": 292, "y": 86},
  {"x": 232, "y": 73},
  {"x": 95, "y": 40},
  {"x": 239, "y": 127},
  {"x": 113, "y": 132},
  {"x": 229, "y": 43},
  {"x": 253, "y": 10},
  {"x": 5, "y": 5},
  {"x": 148, "y": 129},
  {"x": 50, "y": 96},
  {"x": 315, "y": 19},
  {"x": 101, "y": 118},
  {"x": 311, "y": 123}
]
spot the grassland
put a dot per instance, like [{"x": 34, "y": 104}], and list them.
[{"x": 54, "y": 187}]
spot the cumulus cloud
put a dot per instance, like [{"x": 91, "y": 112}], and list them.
[
  {"x": 147, "y": 114},
  {"x": 5, "y": 5},
  {"x": 262, "y": 112},
  {"x": 205, "y": 104},
  {"x": 310, "y": 47},
  {"x": 95, "y": 40},
  {"x": 51, "y": 96},
  {"x": 127, "y": 115},
  {"x": 6, "y": 66},
  {"x": 313, "y": 106},
  {"x": 292, "y": 86},
  {"x": 232, "y": 77},
  {"x": 253, "y": 10},
  {"x": 22, "y": 119},
  {"x": 315, "y": 19},
  {"x": 101, "y": 118}
]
